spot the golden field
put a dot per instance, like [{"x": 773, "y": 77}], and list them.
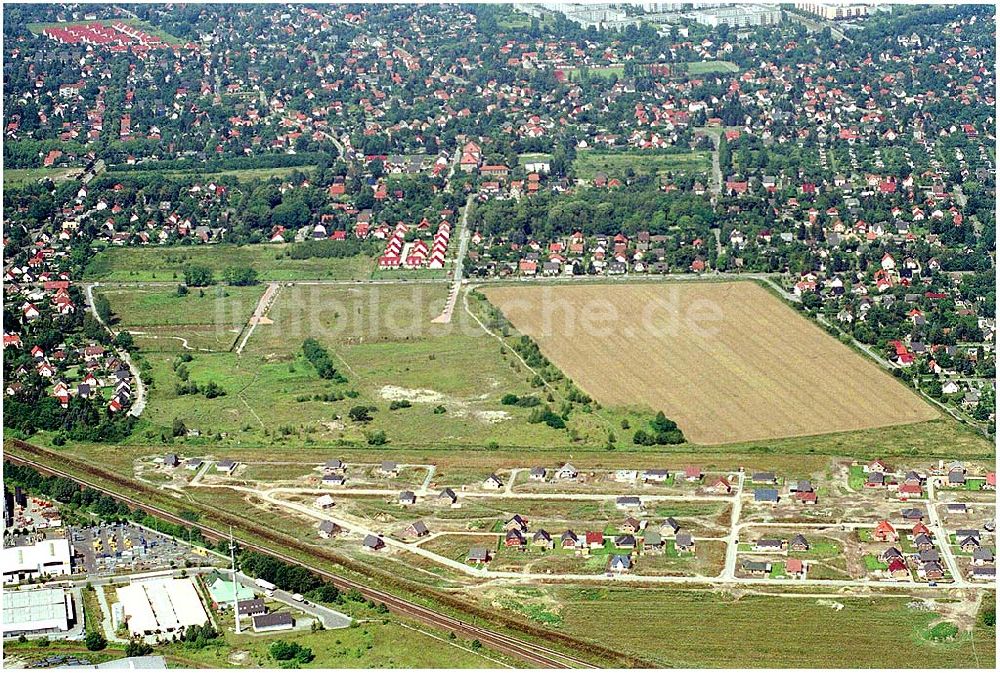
[{"x": 728, "y": 361}]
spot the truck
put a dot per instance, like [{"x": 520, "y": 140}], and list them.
[{"x": 266, "y": 586}]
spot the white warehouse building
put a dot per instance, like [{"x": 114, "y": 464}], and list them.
[
  {"x": 161, "y": 606},
  {"x": 37, "y": 611},
  {"x": 28, "y": 562}
]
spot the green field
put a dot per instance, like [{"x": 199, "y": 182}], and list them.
[
  {"x": 694, "y": 629},
  {"x": 132, "y": 264},
  {"x": 589, "y": 163},
  {"x": 604, "y": 72},
  {"x": 710, "y": 67},
  {"x": 18, "y": 177},
  {"x": 239, "y": 174},
  {"x": 162, "y": 320},
  {"x": 379, "y": 337}
]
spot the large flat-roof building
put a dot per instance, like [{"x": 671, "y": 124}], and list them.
[
  {"x": 834, "y": 11},
  {"x": 161, "y": 606},
  {"x": 739, "y": 16},
  {"x": 26, "y": 562},
  {"x": 37, "y": 611}
]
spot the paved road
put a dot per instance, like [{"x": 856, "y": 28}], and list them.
[
  {"x": 331, "y": 619},
  {"x": 139, "y": 404},
  {"x": 459, "y": 266},
  {"x": 259, "y": 312}
]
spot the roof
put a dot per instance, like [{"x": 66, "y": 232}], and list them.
[
  {"x": 765, "y": 495},
  {"x": 251, "y": 606},
  {"x": 34, "y": 609},
  {"x": 273, "y": 619},
  {"x": 161, "y": 605},
  {"x": 221, "y": 591},
  {"x": 622, "y": 560}
]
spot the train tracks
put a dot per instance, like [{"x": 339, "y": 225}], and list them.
[{"x": 534, "y": 654}]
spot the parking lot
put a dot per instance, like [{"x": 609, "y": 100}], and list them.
[{"x": 114, "y": 549}]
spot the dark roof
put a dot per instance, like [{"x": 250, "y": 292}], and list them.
[
  {"x": 479, "y": 554},
  {"x": 765, "y": 495},
  {"x": 273, "y": 619},
  {"x": 684, "y": 540},
  {"x": 373, "y": 542},
  {"x": 251, "y": 607}
]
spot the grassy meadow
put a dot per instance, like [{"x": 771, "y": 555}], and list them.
[
  {"x": 614, "y": 164},
  {"x": 134, "y": 264},
  {"x": 710, "y": 67},
  {"x": 698, "y": 629}
]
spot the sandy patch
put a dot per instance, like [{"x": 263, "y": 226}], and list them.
[{"x": 456, "y": 407}]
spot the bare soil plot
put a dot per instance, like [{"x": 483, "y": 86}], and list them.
[{"x": 728, "y": 361}]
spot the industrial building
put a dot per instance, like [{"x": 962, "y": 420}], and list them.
[
  {"x": 37, "y": 611},
  {"x": 833, "y": 11},
  {"x": 161, "y": 606},
  {"x": 739, "y": 16},
  {"x": 28, "y": 562}
]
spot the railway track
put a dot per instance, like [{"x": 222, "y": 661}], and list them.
[{"x": 532, "y": 653}]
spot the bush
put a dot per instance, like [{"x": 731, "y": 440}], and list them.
[
  {"x": 285, "y": 651},
  {"x": 95, "y": 641},
  {"x": 320, "y": 359},
  {"x": 377, "y": 438},
  {"x": 137, "y": 648},
  {"x": 359, "y": 414},
  {"x": 240, "y": 276},
  {"x": 196, "y": 275},
  {"x": 399, "y": 404}
]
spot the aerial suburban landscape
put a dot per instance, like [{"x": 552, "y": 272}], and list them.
[{"x": 537, "y": 335}]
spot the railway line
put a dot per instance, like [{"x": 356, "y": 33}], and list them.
[{"x": 532, "y": 653}]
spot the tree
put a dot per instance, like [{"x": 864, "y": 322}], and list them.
[
  {"x": 240, "y": 276},
  {"x": 95, "y": 641},
  {"x": 103, "y": 308},
  {"x": 124, "y": 340},
  {"x": 359, "y": 414},
  {"x": 198, "y": 275},
  {"x": 179, "y": 429},
  {"x": 377, "y": 438}
]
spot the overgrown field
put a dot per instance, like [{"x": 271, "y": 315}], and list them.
[
  {"x": 677, "y": 628},
  {"x": 17, "y": 177},
  {"x": 167, "y": 264},
  {"x": 727, "y": 361},
  {"x": 239, "y": 173},
  {"x": 162, "y": 320},
  {"x": 423, "y": 384},
  {"x": 589, "y": 163}
]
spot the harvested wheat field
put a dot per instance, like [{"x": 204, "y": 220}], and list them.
[{"x": 728, "y": 361}]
